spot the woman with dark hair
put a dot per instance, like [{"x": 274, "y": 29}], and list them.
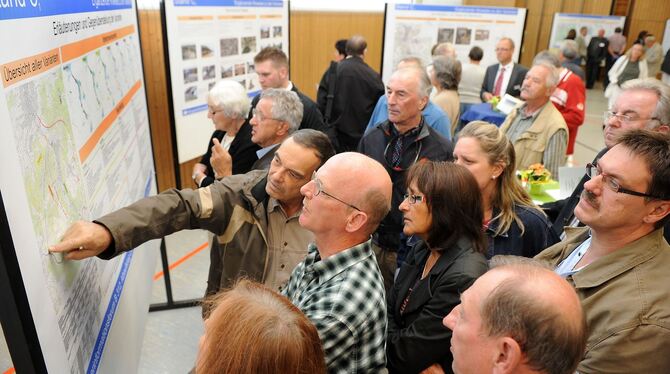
[
  {"x": 253, "y": 329},
  {"x": 572, "y": 34},
  {"x": 228, "y": 107},
  {"x": 514, "y": 225},
  {"x": 443, "y": 208}
]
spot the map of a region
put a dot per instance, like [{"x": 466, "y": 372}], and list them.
[
  {"x": 96, "y": 82},
  {"x": 410, "y": 40}
]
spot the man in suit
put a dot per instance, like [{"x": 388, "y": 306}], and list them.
[
  {"x": 505, "y": 76},
  {"x": 595, "y": 55},
  {"x": 271, "y": 65}
]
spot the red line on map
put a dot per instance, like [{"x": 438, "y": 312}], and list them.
[{"x": 48, "y": 126}]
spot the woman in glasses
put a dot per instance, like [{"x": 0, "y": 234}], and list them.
[
  {"x": 228, "y": 106},
  {"x": 253, "y": 329},
  {"x": 514, "y": 224},
  {"x": 443, "y": 208}
]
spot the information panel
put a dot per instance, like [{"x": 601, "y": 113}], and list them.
[
  {"x": 209, "y": 40},
  {"x": 413, "y": 29},
  {"x": 563, "y": 22},
  {"x": 75, "y": 144}
]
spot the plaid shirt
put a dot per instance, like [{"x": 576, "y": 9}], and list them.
[{"x": 343, "y": 296}]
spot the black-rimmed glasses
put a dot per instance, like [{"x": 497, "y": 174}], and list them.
[
  {"x": 413, "y": 199},
  {"x": 593, "y": 171},
  {"x": 319, "y": 190}
]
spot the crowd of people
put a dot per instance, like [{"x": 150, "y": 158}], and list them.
[{"x": 372, "y": 231}]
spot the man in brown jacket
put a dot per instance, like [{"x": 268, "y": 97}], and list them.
[
  {"x": 619, "y": 263},
  {"x": 254, "y": 214}
]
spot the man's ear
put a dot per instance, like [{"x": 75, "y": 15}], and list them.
[
  {"x": 661, "y": 209},
  {"x": 508, "y": 356},
  {"x": 356, "y": 220},
  {"x": 282, "y": 129}
]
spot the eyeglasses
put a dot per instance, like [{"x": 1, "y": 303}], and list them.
[
  {"x": 319, "y": 190},
  {"x": 593, "y": 171},
  {"x": 625, "y": 118},
  {"x": 502, "y": 49},
  {"x": 257, "y": 113},
  {"x": 413, "y": 199}
]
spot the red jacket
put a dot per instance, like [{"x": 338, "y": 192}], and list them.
[{"x": 569, "y": 98}]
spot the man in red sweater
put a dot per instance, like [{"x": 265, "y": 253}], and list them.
[{"x": 569, "y": 98}]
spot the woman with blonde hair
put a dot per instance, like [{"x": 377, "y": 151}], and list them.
[
  {"x": 513, "y": 223},
  {"x": 253, "y": 329},
  {"x": 630, "y": 66}
]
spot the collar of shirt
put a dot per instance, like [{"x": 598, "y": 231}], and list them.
[
  {"x": 508, "y": 67},
  {"x": 413, "y": 133},
  {"x": 263, "y": 151},
  {"x": 273, "y": 205},
  {"x": 289, "y": 87},
  {"x": 325, "y": 269},
  {"x": 523, "y": 115}
]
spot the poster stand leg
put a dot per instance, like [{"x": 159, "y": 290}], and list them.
[{"x": 170, "y": 304}]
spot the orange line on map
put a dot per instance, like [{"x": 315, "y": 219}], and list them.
[{"x": 82, "y": 47}]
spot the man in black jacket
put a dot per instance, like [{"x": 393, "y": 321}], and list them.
[
  {"x": 595, "y": 55},
  {"x": 271, "y": 65},
  {"x": 357, "y": 90}
]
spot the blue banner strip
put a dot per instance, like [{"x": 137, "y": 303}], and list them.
[
  {"x": 96, "y": 356},
  {"x": 232, "y": 3},
  {"x": 593, "y": 16},
  {"x": 194, "y": 109},
  {"x": 457, "y": 9},
  {"x": 16, "y": 9}
]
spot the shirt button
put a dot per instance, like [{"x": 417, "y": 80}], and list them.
[
  {"x": 282, "y": 266},
  {"x": 285, "y": 244}
]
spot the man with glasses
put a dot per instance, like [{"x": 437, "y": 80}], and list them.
[
  {"x": 271, "y": 65},
  {"x": 398, "y": 143},
  {"x": 619, "y": 262},
  {"x": 643, "y": 103},
  {"x": 254, "y": 214},
  {"x": 505, "y": 76},
  {"x": 338, "y": 285},
  {"x": 275, "y": 117}
]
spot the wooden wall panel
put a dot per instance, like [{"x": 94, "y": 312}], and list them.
[
  {"x": 155, "y": 74},
  {"x": 572, "y": 6},
  {"x": 186, "y": 171},
  {"x": 597, "y": 7},
  {"x": 312, "y": 42},
  {"x": 647, "y": 15}
]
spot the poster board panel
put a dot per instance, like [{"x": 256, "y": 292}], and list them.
[
  {"x": 563, "y": 22},
  {"x": 413, "y": 29},
  {"x": 210, "y": 40},
  {"x": 75, "y": 144}
]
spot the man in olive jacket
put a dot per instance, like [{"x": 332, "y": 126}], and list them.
[
  {"x": 619, "y": 263},
  {"x": 254, "y": 214}
]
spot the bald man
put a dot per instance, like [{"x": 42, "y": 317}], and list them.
[
  {"x": 339, "y": 286},
  {"x": 520, "y": 317}
]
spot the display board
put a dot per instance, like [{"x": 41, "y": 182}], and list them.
[
  {"x": 75, "y": 144},
  {"x": 210, "y": 40},
  {"x": 666, "y": 37},
  {"x": 413, "y": 29},
  {"x": 563, "y": 22}
]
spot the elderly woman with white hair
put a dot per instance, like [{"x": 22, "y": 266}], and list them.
[{"x": 228, "y": 106}]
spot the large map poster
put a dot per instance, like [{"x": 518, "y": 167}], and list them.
[
  {"x": 210, "y": 40},
  {"x": 74, "y": 144},
  {"x": 413, "y": 29},
  {"x": 563, "y": 22}
]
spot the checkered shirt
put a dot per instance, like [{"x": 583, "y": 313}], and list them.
[{"x": 343, "y": 296}]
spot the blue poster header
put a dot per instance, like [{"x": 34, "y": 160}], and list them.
[
  {"x": 232, "y": 3},
  {"x": 16, "y": 9},
  {"x": 457, "y": 9}
]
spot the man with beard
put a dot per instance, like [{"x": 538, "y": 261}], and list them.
[{"x": 619, "y": 263}]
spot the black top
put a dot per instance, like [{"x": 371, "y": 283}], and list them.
[{"x": 242, "y": 150}]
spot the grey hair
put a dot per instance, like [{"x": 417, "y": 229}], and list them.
[
  {"x": 422, "y": 77},
  {"x": 445, "y": 49},
  {"x": 552, "y": 78},
  {"x": 316, "y": 141},
  {"x": 650, "y": 38},
  {"x": 548, "y": 57},
  {"x": 447, "y": 72},
  {"x": 662, "y": 91},
  {"x": 231, "y": 97},
  {"x": 286, "y": 106},
  {"x": 569, "y": 49},
  {"x": 411, "y": 60}
]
